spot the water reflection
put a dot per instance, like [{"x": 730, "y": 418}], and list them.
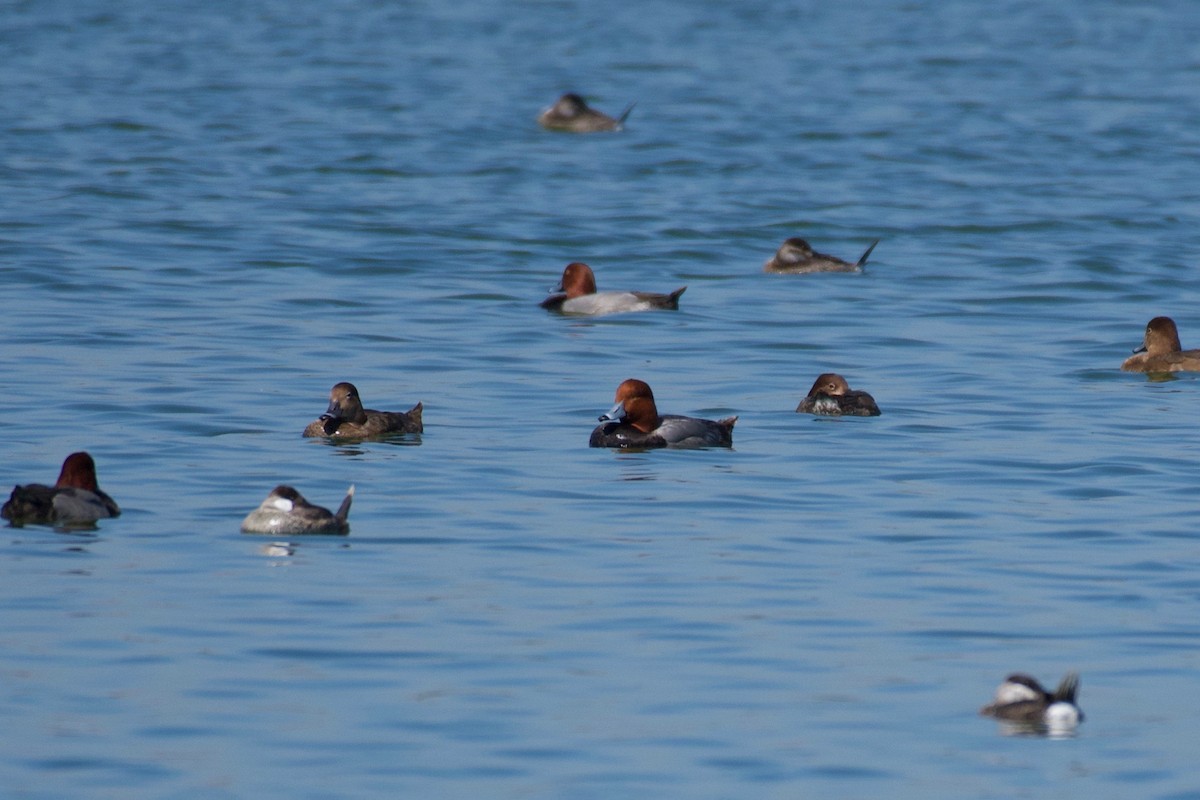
[
  {"x": 357, "y": 447},
  {"x": 1011, "y": 728},
  {"x": 277, "y": 549}
]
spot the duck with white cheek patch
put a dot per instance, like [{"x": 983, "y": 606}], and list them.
[{"x": 285, "y": 512}]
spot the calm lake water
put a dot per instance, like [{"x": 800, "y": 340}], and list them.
[{"x": 211, "y": 215}]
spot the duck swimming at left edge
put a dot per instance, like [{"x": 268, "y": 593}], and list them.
[
  {"x": 286, "y": 512},
  {"x": 576, "y": 294},
  {"x": 75, "y": 499},
  {"x": 634, "y": 422}
]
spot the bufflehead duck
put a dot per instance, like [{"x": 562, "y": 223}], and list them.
[{"x": 1021, "y": 699}]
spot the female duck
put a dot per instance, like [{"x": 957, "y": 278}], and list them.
[
  {"x": 635, "y": 422},
  {"x": 347, "y": 419},
  {"x": 1022, "y": 699},
  {"x": 286, "y": 512},
  {"x": 1161, "y": 351},
  {"x": 571, "y": 113},
  {"x": 795, "y": 257},
  {"x": 831, "y": 394},
  {"x": 576, "y": 294},
  {"x": 75, "y": 498}
]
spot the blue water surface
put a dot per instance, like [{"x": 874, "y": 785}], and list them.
[{"x": 210, "y": 214}]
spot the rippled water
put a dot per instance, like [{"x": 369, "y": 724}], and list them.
[{"x": 211, "y": 215}]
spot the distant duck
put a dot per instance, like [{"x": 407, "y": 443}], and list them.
[
  {"x": 576, "y": 294},
  {"x": 634, "y": 422},
  {"x": 347, "y": 419},
  {"x": 1161, "y": 350},
  {"x": 285, "y": 512},
  {"x": 831, "y": 394},
  {"x": 1021, "y": 699},
  {"x": 572, "y": 113},
  {"x": 74, "y": 500},
  {"x": 795, "y": 256}
]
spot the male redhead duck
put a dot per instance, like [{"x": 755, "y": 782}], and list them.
[
  {"x": 74, "y": 500},
  {"x": 831, "y": 394},
  {"x": 571, "y": 113},
  {"x": 576, "y": 294},
  {"x": 1022, "y": 699},
  {"x": 347, "y": 419},
  {"x": 1161, "y": 351},
  {"x": 286, "y": 512},
  {"x": 795, "y": 256},
  {"x": 635, "y": 422}
]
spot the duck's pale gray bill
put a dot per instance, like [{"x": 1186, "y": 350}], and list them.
[{"x": 614, "y": 414}]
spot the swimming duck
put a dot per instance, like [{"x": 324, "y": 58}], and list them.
[
  {"x": 635, "y": 422},
  {"x": 576, "y": 294},
  {"x": 75, "y": 498},
  {"x": 831, "y": 394},
  {"x": 795, "y": 256},
  {"x": 1161, "y": 351},
  {"x": 286, "y": 512},
  {"x": 572, "y": 113},
  {"x": 1021, "y": 699},
  {"x": 347, "y": 419}
]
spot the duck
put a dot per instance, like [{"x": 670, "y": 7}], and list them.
[
  {"x": 572, "y": 113},
  {"x": 347, "y": 419},
  {"x": 795, "y": 256},
  {"x": 576, "y": 294},
  {"x": 634, "y": 422},
  {"x": 286, "y": 512},
  {"x": 1021, "y": 699},
  {"x": 75, "y": 499},
  {"x": 831, "y": 394},
  {"x": 1161, "y": 351}
]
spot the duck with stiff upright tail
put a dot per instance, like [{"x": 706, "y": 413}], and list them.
[
  {"x": 831, "y": 395},
  {"x": 576, "y": 294},
  {"x": 285, "y": 512},
  {"x": 572, "y": 114},
  {"x": 75, "y": 499},
  {"x": 345, "y": 418},
  {"x": 796, "y": 257},
  {"x": 634, "y": 422},
  {"x": 1021, "y": 699},
  {"x": 1161, "y": 350}
]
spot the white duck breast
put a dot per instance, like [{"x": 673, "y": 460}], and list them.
[{"x": 606, "y": 303}]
